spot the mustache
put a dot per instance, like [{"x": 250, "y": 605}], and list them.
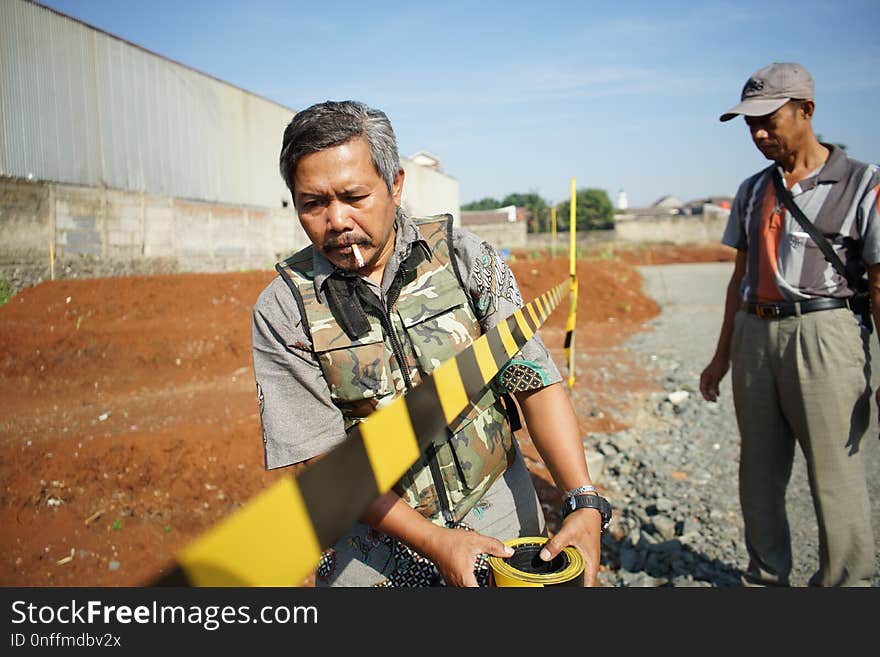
[{"x": 347, "y": 240}]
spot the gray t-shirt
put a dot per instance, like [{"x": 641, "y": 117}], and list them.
[{"x": 300, "y": 421}]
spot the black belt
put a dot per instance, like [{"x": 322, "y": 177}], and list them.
[{"x": 777, "y": 310}]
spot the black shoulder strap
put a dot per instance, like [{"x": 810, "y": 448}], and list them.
[{"x": 786, "y": 198}]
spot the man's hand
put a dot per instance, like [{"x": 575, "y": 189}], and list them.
[
  {"x": 711, "y": 377},
  {"x": 455, "y": 552},
  {"x": 583, "y": 530}
]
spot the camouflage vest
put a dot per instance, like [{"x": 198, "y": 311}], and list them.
[{"x": 431, "y": 320}]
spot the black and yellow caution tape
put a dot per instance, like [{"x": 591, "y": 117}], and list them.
[{"x": 277, "y": 538}]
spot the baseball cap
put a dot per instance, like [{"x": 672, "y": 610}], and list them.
[{"x": 770, "y": 88}]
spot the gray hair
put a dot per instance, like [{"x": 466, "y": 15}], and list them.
[{"x": 328, "y": 124}]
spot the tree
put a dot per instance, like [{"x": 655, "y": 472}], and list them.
[
  {"x": 594, "y": 211},
  {"x": 487, "y": 203},
  {"x": 536, "y": 207}
]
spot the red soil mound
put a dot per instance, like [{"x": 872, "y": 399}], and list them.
[{"x": 130, "y": 419}]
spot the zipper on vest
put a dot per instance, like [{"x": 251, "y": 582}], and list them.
[
  {"x": 385, "y": 319},
  {"x": 381, "y": 307},
  {"x": 396, "y": 347},
  {"x": 439, "y": 487}
]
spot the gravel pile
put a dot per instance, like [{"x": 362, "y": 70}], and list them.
[
  {"x": 672, "y": 478},
  {"x": 672, "y": 481}
]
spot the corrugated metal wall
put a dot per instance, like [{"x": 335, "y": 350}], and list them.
[{"x": 79, "y": 106}]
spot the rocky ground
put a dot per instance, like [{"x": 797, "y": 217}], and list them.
[{"x": 672, "y": 475}]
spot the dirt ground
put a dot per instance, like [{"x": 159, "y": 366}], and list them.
[{"x": 130, "y": 421}]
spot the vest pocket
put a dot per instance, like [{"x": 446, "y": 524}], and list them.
[
  {"x": 439, "y": 337},
  {"x": 435, "y": 314},
  {"x": 359, "y": 377},
  {"x": 480, "y": 442}
]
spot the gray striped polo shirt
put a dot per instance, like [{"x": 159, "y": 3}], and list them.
[{"x": 784, "y": 264}]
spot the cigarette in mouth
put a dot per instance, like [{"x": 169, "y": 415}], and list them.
[{"x": 357, "y": 256}]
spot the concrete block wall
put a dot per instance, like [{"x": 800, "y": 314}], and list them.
[
  {"x": 124, "y": 225},
  {"x": 504, "y": 235},
  {"x": 25, "y": 221},
  {"x": 159, "y": 226},
  {"x": 678, "y": 229},
  {"x": 121, "y": 225},
  {"x": 79, "y": 221},
  {"x": 582, "y": 238}
]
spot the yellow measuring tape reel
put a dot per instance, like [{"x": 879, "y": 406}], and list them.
[
  {"x": 277, "y": 538},
  {"x": 526, "y": 568}
]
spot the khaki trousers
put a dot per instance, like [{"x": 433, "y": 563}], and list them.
[{"x": 806, "y": 379}]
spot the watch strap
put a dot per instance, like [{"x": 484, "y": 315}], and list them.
[{"x": 589, "y": 501}]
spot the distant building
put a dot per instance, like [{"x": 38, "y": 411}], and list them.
[
  {"x": 669, "y": 219},
  {"x": 427, "y": 189},
  {"x": 671, "y": 205},
  {"x": 428, "y": 160},
  {"x": 708, "y": 204},
  {"x": 509, "y": 213},
  {"x": 504, "y": 228},
  {"x": 668, "y": 201},
  {"x": 622, "y": 203}
]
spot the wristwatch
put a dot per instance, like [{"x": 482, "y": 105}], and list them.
[{"x": 597, "y": 502}]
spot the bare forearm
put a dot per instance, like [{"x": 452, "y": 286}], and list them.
[
  {"x": 732, "y": 303},
  {"x": 554, "y": 430}
]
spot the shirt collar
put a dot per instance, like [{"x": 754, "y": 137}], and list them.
[
  {"x": 835, "y": 166},
  {"x": 830, "y": 171},
  {"x": 405, "y": 235}
]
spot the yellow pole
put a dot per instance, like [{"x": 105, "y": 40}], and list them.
[
  {"x": 553, "y": 231},
  {"x": 572, "y": 227},
  {"x": 51, "y": 261},
  {"x": 569, "y": 329}
]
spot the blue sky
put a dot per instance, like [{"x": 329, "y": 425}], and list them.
[{"x": 521, "y": 96}]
